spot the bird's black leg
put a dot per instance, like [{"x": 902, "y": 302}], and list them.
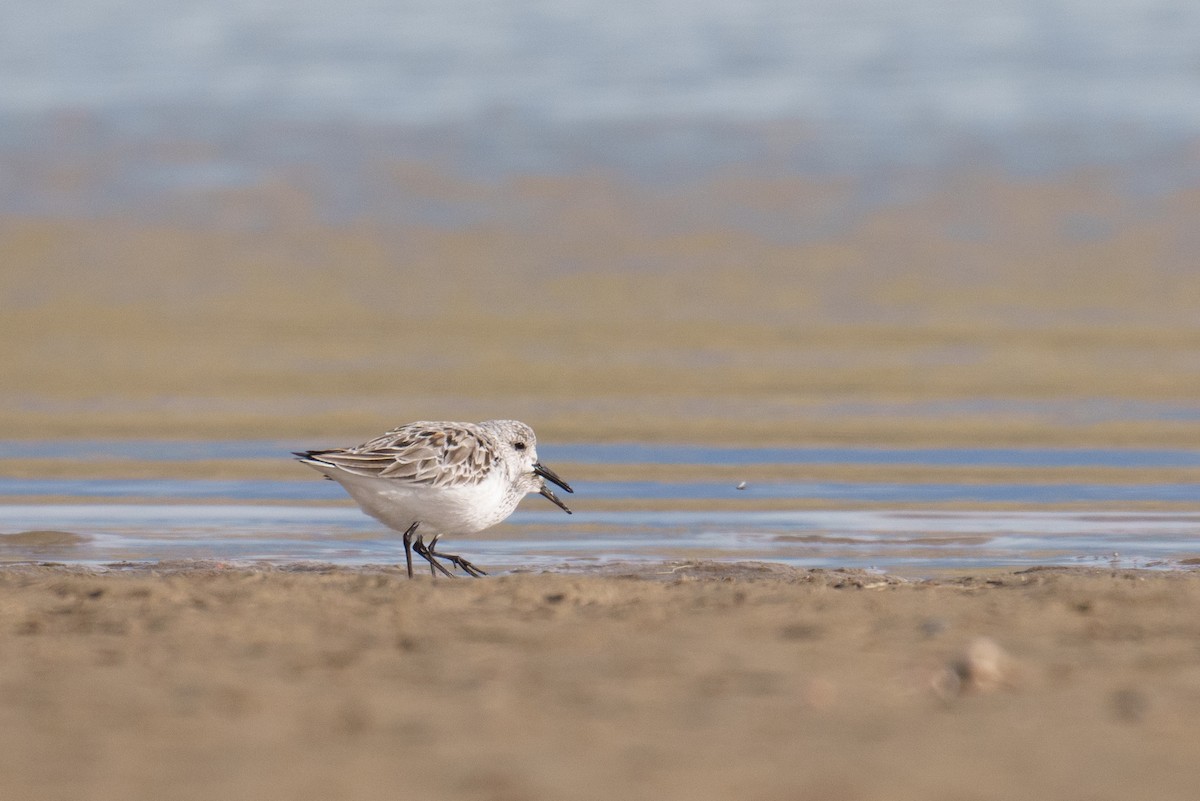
[
  {"x": 424, "y": 552},
  {"x": 466, "y": 566},
  {"x": 408, "y": 546}
]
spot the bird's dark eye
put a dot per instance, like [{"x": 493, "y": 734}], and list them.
[{"x": 519, "y": 446}]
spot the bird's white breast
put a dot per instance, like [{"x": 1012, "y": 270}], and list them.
[{"x": 455, "y": 509}]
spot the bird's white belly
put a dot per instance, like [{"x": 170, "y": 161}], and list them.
[{"x": 462, "y": 509}]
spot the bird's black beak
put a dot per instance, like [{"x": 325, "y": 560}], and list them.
[{"x": 552, "y": 477}]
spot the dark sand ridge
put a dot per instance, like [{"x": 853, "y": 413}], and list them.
[
  {"x": 690, "y": 682},
  {"x": 601, "y": 310}
]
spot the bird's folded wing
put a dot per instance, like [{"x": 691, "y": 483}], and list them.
[{"x": 430, "y": 454}]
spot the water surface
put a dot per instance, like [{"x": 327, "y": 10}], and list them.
[
  {"x": 190, "y": 98},
  {"x": 894, "y": 526}
]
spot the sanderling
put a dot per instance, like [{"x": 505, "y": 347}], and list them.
[{"x": 447, "y": 478}]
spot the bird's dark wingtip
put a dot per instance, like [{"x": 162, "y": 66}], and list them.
[{"x": 309, "y": 457}]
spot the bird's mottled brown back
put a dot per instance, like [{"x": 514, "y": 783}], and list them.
[{"x": 428, "y": 453}]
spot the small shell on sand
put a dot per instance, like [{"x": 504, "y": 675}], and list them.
[{"x": 983, "y": 667}]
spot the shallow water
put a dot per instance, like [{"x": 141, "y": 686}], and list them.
[
  {"x": 870, "y": 492},
  {"x": 896, "y": 541},
  {"x": 149, "y": 109},
  {"x": 910, "y": 531}
]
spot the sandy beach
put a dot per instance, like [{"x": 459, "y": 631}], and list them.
[{"x": 685, "y": 681}]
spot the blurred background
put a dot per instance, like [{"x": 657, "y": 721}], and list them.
[{"x": 854, "y": 221}]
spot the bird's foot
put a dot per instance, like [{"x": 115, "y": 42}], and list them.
[
  {"x": 461, "y": 563},
  {"x": 429, "y": 556},
  {"x": 455, "y": 559}
]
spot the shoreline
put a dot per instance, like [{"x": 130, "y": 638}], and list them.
[{"x": 663, "y": 570}]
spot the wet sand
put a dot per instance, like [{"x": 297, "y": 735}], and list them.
[
  {"x": 685, "y": 681},
  {"x": 984, "y": 310}
]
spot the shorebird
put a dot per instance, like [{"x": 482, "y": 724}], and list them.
[{"x": 443, "y": 478}]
